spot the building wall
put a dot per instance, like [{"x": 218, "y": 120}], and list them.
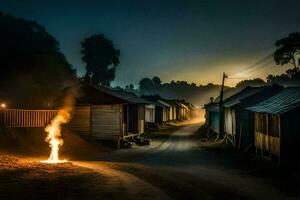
[
  {"x": 150, "y": 114},
  {"x": 229, "y": 122},
  {"x": 267, "y": 133},
  {"x": 213, "y": 123},
  {"x": 98, "y": 121},
  {"x": 80, "y": 122},
  {"x": 105, "y": 121}
]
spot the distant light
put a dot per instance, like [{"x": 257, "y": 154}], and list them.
[{"x": 3, "y": 105}]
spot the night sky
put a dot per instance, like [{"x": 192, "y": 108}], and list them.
[{"x": 175, "y": 40}]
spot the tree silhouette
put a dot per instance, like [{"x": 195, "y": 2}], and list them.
[
  {"x": 253, "y": 82},
  {"x": 33, "y": 69},
  {"x": 101, "y": 59},
  {"x": 156, "y": 81},
  {"x": 146, "y": 85},
  {"x": 287, "y": 50}
]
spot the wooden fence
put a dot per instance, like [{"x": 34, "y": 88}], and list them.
[{"x": 27, "y": 118}]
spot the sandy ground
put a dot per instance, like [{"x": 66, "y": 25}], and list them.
[{"x": 174, "y": 166}]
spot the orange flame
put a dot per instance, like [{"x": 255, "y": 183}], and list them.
[{"x": 54, "y": 134}]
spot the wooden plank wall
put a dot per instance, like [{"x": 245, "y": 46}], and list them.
[
  {"x": 28, "y": 118},
  {"x": 106, "y": 121},
  {"x": 149, "y": 114},
  {"x": 80, "y": 122}
]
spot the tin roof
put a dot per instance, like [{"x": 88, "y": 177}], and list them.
[
  {"x": 280, "y": 103},
  {"x": 164, "y": 103},
  {"x": 236, "y": 98},
  {"x": 214, "y": 105},
  {"x": 157, "y": 103},
  {"x": 102, "y": 95}
]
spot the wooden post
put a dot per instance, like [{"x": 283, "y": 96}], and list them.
[
  {"x": 2, "y": 122},
  {"x": 279, "y": 124},
  {"x": 91, "y": 123},
  {"x": 221, "y": 116}
]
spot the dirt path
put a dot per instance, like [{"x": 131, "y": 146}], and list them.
[
  {"x": 135, "y": 187},
  {"x": 181, "y": 153},
  {"x": 176, "y": 168}
]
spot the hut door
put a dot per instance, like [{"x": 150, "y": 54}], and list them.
[{"x": 133, "y": 118}]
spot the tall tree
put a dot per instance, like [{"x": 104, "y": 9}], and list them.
[
  {"x": 146, "y": 85},
  {"x": 33, "y": 69},
  {"x": 288, "y": 49},
  {"x": 101, "y": 59},
  {"x": 156, "y": 81}
]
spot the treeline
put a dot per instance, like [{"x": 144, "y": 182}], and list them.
[
  {"x": 290, "y": 78},
  {"x": 180, "y": 90},
  {"x": 199, "y": 94}
]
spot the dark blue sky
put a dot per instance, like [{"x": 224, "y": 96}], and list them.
[{"x": 176, "y": 40}]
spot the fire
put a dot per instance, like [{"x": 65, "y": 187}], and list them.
[{"x": 54, "y": 134}]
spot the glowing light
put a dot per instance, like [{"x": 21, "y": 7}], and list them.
[
  {"x": 54, "y": 135},
  {"x": 3, "y": 105}
]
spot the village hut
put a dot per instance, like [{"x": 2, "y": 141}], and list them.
[
  {"x": 150, "y": 115},
  {"x": 173, "y": 106},
  {"x": 165, "y": 110},
  {"x": 181, "y": 111},
  {"x": 105, "y": 114},
  {"x": 190, "y": 112},
  {"x": 238, "y": 121},
  {"x": 277, "y": 126},
  {"x": 212, "y": 111},
  {"x": 212, "y": 116}
]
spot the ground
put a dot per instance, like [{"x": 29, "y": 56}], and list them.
[{"x": 177, "y": 165}]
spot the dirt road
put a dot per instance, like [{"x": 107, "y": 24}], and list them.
[{"x": 181, "y": 162}]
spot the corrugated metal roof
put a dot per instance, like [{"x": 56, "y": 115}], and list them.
[
  {"x": 281, "y": 103},
  {"x": 131, "y": 98},
  {"x": 102, "y": 95},
  {"x": 184, "y": 106},
  {"x": 236, "y": 98},
  {"x": 227, "y": 94},
  {"x": 164, "y": 103},
  {"x": 214, "y": 105}
]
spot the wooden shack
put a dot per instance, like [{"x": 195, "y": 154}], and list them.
[
  {"x": 277, "y": 126},
  {"x": 184, "y": 112},
  {"x": 166, "y": 110},
  {"x": 105, "y": 114},
  {"x": 172, "y": 109},
  {"x": 212, "y": 111},
  {"x": 212, "y": 117},
  {"x": 150, "y": 113},
  {"x": 181, "y": 110},
  {"x": 238, "y": 120}
]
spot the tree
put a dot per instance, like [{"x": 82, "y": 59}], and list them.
[
  {"x": 287, "y": 50},
  {"x": 291, "y": 77},
  {"x": 130, "y": 88},
  {"x": 156, "y": 81},
  {"x": 146, "y": 85},
  {"x": 33, "y": 69},
  {"x": 253, "y": 82},
  {"x": 101, "y": 59}
]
